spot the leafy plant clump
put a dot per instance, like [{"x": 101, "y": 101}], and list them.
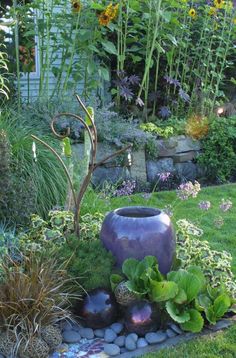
[
  {"x": 216, "y": 265},
  {"x": 219, "y": 149},
  {"x": 184, "y": 293},
  {"x": 34, "y": 293}
]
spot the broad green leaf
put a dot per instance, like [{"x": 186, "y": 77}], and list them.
[
  {"x": 210, "y": 315},
  {"x": 195, "y": 323},
  {"x": 203, "y": 302},
  {"x": 87, "y": 119},
  {"x": 176, "y": 313},
  {"x": 181, "y": 297},
  {"x": 135, "y": 289},
  {"x": 221, "y": 305},
  {"x": 129, "y": 268},
  {"x": 195, "y": 270},
  {"x": 115, "y": 279},
  {"x": 163, "y": 291},
  {"x": 96, "y": 6},
  {"x": 109, "y": 47},
  {"x": 187, "y": 281}
]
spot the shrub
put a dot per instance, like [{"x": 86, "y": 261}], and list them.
[
  {"x": 219, "y": 149},
  {"x": 88, "y": 259}
]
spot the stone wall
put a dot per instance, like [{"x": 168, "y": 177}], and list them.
[{"x": 175, "y": 155}]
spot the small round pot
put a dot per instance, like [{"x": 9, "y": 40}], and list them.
[{"x": 138, "y": 231}]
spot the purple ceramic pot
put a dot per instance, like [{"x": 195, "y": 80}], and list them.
[{"x": 138, "y": 231}]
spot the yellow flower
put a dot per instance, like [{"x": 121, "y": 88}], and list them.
[
  {"x": 76, "y": 5},
  {"x": 112, "y": 11},
  {"x": 212, "y": 11},
  {"x": 104, "y": 19},
  {"x": 219, "y": 4},
  {"x": 192, "y": 13},
  {"x": 234, "y": 21}
]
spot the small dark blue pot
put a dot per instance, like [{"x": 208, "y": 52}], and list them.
[{"x": 138, "y": 231}]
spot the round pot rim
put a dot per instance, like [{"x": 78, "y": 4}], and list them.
[{"x": 137, "y": 212}]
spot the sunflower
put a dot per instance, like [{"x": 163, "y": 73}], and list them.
[
  {"x": 112, "y": 11},
  {"x": 104, "y": 19},
  {"x": 76, "y": 5},
  {"x": 212, "y": 11},
  {"x": 192, "y": 13},
  {"x": 219, "y": 4}
]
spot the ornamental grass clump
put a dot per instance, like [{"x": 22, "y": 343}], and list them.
[{"x": 33, "y": 295}]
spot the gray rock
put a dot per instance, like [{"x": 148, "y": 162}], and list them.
[
  {"x": 222, "y": 324},
  {"x": 134, "y": 336},
  {"x": 110, "y": 335},
  {"x": 141, "y": 343},
  {"x": 130, "y": 344},
  {"x": 71, "y": 336},
  {"x": 111, "y": 349},
  {"x": 184, "y": 144},
  {"x": 187, "y": 171},
  {"x": 99, "y": 333},
  {"x": 1, "y": 356},
  {"x": 153, "y": 338},
  {"x": 86, "y": 333},
  {"x": 170, "y": 333},
  {"x": 184, "y": 157},
  {"x": 117, "y": 327},
  {"x": 111, "y": 175},
  {"x": 120, "y": 341},
  {"x": 123, "y": 350},
  {"x": 176, "y": 328},
  {"x": 156, "y": 167}
]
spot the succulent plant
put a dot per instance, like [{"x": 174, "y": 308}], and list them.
[{"x": 52, "y": 336}]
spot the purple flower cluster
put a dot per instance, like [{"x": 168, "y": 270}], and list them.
[
  {"x": 124, "y": 83},
  {"x": 127, "y": 188},
  {"x": 204, "y": 205},
  {"x": 163, "y": 176},
  {"x": 225, "y": 205},
  {"x": 187, "y": 190}
]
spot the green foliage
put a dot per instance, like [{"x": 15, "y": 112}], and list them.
[
  {"x": 182, "y": 291},
  {"x": 216, "y": 265},
  {"x": 35, "y": 186},
  {"x": 89, "y": 260},
  {"x": 4, "y": 91},
  {"x": 219, "y": 149},
  {"x": 150, "y": 127}
]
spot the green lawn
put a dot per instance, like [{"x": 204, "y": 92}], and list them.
[{"x": 223, "y": 344}]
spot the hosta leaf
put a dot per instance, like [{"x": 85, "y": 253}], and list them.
[
  {"x": 176, "y": 313},
  {"x": 195, "y": 323},
  {"x": 221, "y": 305},
  {"x": 136, "y": 289},
  {"x": 195, "y": 270},
  {"x": 163, "y": 291},
  {"x": 210, "y": 315}
]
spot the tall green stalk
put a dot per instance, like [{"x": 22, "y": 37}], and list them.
[
  {"x": 149, "y": 58},
  {"x": 16, "y": 35}
]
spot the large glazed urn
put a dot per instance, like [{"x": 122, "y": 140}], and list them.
[{"x": 138, "y": 231}]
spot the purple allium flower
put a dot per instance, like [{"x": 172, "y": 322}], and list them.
[
  {"x": 164, "y": 112},
  {"x": 204, "y": 205},
  {"x": 225, "y": 205},
  {"x": 163, "y": 176},
  {"x": 172, "y": 81},
  {"x": 127, "y": 188},
  {"x": 183, "y": 95},
  {"x": 139, "y": 102},
  {"x": 134, "y": 80},
  {"x": 187, "y": 190}
]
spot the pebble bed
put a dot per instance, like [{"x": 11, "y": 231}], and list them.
[{"x": 107, "y": 342}]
